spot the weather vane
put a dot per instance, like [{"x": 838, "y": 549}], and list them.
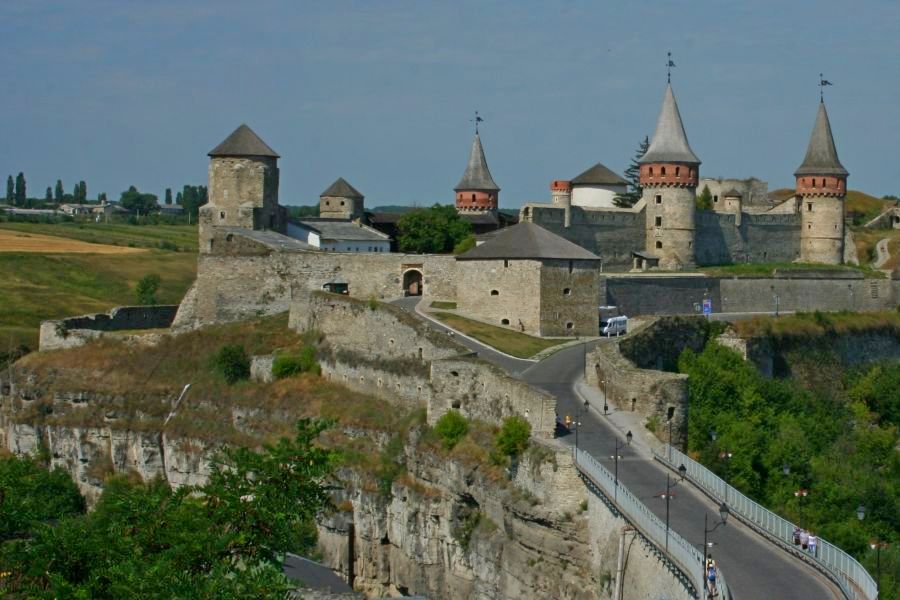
[
  {"x": 476, "y": 120},
  {"x": 669, "y": 64},
  {"x": 822, "y": 83}
]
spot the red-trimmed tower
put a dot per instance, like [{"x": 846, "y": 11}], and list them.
[
  {"x": 821, "y": 185},
  {"x": 476, "y": 191},
  {"x": 669, "y": 175}
]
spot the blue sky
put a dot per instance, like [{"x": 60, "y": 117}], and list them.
[{"x": 120, "y": 92}]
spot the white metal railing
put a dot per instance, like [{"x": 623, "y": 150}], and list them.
[
  {"x": 688, "y": 559},
  {"x": 855, "y": 581}
]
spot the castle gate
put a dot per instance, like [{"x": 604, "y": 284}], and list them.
[{"x": 412, "y": 282}]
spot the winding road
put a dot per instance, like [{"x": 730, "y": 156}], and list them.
[{"x": 754, "y": 567}]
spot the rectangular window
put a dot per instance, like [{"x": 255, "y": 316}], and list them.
[
  {"x": 659, "y": 221},
  {"x": 809, "y": 207},
  {"x": 659, "y": 198},
  {"x": 505, "y": 264},
  {"x": 716, "y": 198}
]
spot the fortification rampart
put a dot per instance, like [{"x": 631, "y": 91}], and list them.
[
  {"x": 723, "y": 239},
  {"x": 381, "y": 350},
  {"x": 77, "y": 331}
]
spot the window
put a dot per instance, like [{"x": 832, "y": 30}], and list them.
[
  {"x": 651, "y": 171},
  {"x": 659, "y": 244},
  {"x": 495, "y": 293},
  {"x": 690, "y": 245},
  {"x": 570, "y": 325},
  {"x": 473, "y": 197},
  {"x": 809, "y": 207},
  {"x": 677, "y": 171},
  {"x": 662, "y": 171},
  {"x": 659, "y": 221},
  {"x": 328, "y": 203},
  {"x": 505, "y": 264},
  {"x": 342, "y": 202},
  {"x": 567, "y": 291},
  {"x": 809, "y": 226},
  {"x": 571, "y": 265},
  {"x": 222, "y": 214},
  {"x": 504, "y": 321},
  {"x": 659, "y": 198},
  {"x": 716, "y": 198}
]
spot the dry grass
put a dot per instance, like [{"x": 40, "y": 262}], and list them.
[
  {"x": 11, "y": 241},
  {"x": 506, "y": 340},
  {"x": 817, "y": 324}
]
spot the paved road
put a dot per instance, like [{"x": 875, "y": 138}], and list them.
[{"x": 754, "y": 568}]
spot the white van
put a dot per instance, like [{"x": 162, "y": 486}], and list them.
[{"x": 614, "y": 326}]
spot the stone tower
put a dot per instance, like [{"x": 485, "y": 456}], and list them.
[
  {"x": 341, "y": 201},
  {"x": 243, "y": 187},
  {"x": 821, "y": 186},
  {"x": 669, "y": 174},
  {"x": 561, "y": 196},
  {"x": 476, "y": 191}
]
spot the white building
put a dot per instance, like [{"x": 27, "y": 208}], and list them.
[
  {"x": 336, "y": 235},
  {"x": 597, "y": 187}
]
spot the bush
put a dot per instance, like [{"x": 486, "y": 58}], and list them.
[
  {"x": 512, "y": 439},
  {"x": 286, "y": 365},
  {"x": 232, "y": 363},
  {"x": 146, "y": 289},
  {"x": 451, "y": 428}
]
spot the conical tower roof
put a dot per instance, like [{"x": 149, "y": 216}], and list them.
[
  {"x": 821, "y": 155},
  {"x": 243, "y": 141},
  {"x": 477, "y": 175},
  {"x": 341, "y": 189},
  {"x": 669, "y": 143}
]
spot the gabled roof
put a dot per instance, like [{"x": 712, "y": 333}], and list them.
[
  {"x": 477, "y": 175},
  {"x": 338, "y": 229},
  {"x": 732, "y": 193},
  {"x": 821, "y": 155},
  {"x": 341, "y": 189},
  {"x": 527, "y": 241},
  {"x": 243, "y": 141},
  {"x": 599, "y": 174},
  {"x": 669, "y": 143}
]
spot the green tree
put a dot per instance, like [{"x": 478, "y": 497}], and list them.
[
  {"x": 633, "y": 175},
  {"x": 512, "y": 439},
  {"x": 21, "y": 194},
  {"x": 146, "y": 289},
  {"x": 192, "y": 198},
  {"x": 30, "y": 495},
  {"x": 48, "y": 196},
  {"x": 178, "y": 199},
  {"x": 232, "y": 363},
  {"x": 168, "y": 196},
  {"x": 58, "y": 191},
  {"x": 704, "y": 199},
  {"x": 139, "y": 203},
  {"x": 10, "y": 190},
  {"x": 465, "y": 245},
  {"x": 451, "y": 428},
  {"x": 432, "y": 230}
]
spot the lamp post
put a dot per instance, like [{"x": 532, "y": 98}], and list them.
[
  {"x": 616, "y": 458},
  {"x": 606, "y": 383},
  {"x": 876, "y": 545},
  {"x": 723, "y": 514},
  {"x": 578, "y": 421},
  {"x": 801, "y": 494},
  {"x": 668, "y": 496},
  {"x": 725, "y": 456}
]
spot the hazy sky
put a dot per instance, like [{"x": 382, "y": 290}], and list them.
[{"x": 123, "y": 92}]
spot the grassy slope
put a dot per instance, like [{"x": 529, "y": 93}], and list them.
[
  {"x": 512, "y": 342},
  {"x": 813, "y": 325},
  {"x": 35, "y": 287}
]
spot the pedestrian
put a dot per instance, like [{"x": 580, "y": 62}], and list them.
[
  {"x": 804, "y": 539},
  {"x": 796, "y": 535},
  {"x": 813, "y": 543},
  {"x": 568, "y": 421},
  {"x": 711, "y": 573}
]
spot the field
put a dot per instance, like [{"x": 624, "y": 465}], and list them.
[
  {"x": 84, "y": 268},
  {"x": 508, "y": 341}
]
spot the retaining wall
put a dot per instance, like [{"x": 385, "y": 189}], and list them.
[{"x": 77, "y": 331}]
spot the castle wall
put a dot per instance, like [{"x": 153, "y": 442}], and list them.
[
  {"x": 671, "y": 225},
  {"x": 684, "y": 295},
  {"x": 612, "y": 234},
  {"x": 569, "y": 298},
  {"x": 501, "y": 292},
  {"x": 753, "y": 191},
  {"x": 758, "y": 238},
  {"x": 822, "y": 230},
  {"x": 77, "y": 331}
]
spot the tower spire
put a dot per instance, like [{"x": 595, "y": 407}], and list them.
[
  {"x": 669, "y": 64},
  {"x": 476, "y": 120},
  {"x": 669, "y": 142},
  {"x": 822, "y": 83}
]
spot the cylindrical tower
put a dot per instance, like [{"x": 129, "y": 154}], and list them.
[
  {"x": 821, "y": 186},
  {"x": 669, "y": 173},
  {"x": 476, "y": 191},
  {"x": 561, "y": 196}
]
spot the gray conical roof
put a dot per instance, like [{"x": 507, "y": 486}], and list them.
[
  {"x": 243, "y": 141},
  {"x": 477, "y": 175},
  {"x": 341, "y": 189},
  {"x": 821, "y": 155},
  {"x": 669, "y": 143}
]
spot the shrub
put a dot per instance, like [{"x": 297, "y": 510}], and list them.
[
  {"x": 286, "y": 365},
  {"x": 451, "y": 428},
  {"x": 512, "y": 439},
  {"x": 146, "y": 289},
  {"x": 232, "y": 363}
]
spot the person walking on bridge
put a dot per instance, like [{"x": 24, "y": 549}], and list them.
[{"x": 711, "y": 573}]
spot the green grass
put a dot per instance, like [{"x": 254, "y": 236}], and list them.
[
  {"x": 444, "y": 305},
  {"x": 184, "y": 237},
  {"x": 36, "y": 287},
  {"x": 818, "y": 324},
  {"x": 768, "y": 269},
  {"x": 511, "y": 342}
]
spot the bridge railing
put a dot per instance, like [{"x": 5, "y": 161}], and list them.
[
  {"x": 855, "y": 581},
  {"x": 688, "y": 559}
]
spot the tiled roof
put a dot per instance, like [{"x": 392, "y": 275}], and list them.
[
  {"x": 243, "y": 141},
  {"x": 477, "y": 175},
  {"x": 669, "y": 143},
  {"x": 821, "y": 155},
  {"x": 527, "y": 241}
]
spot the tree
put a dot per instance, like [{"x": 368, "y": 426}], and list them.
[
  {"x": 136, "y": 202},
  {"x": 168, "y": 196},
  {"x": 633, "y": 175},
  {"x": 48, "y": 197},
  {"x": 10, "y": 190},
  {"x": 432, "y": 230},
  {"x": 101, "y": 197},
  {"x": 704, "y": 200},
  {"x": 232, "y": 363},
  {"x": 58, "y": 191},
  {"x": 30, "y": 494},
  {"x": 178, "y": 199},
  {"x": 21, "y": 194},
  {"x": 82, "y": 191},
  {"x": 146, "y": 289},
  {"x": 512, "y": 439},
  {"x": 192, "y": 198},
  {"x": 451, "y": 428}
]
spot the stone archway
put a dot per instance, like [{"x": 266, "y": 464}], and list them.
[{"x": 412, "y": 283}]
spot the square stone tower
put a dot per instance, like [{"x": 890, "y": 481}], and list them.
[
  {"x": 243, "y": 187},
  {"x": 341, "y": 201}
]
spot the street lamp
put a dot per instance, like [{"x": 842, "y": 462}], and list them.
[
  {"x": 668, "y": 495},
  {"x": 578, "y": 421},
  {"x": 616, "y": 458},
  {"x": 723, "y": 516},
  {"x": 876, "y": 545},
  {"x": 725, "y": 456},
  {"x": 606, "y": 383},
  {"x": 801, "y": 494}
]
